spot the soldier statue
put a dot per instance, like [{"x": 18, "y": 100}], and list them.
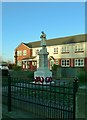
[{"x": 43, "y": 39}]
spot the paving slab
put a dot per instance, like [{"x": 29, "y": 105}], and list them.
[{"x": 16, "y": 114}]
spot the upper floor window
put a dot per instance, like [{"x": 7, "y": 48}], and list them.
[
  {"x": 55, "y": 50},
  {"x": 37, "y": 51},
  {"x": 79, "y": 48},
  {"x": 79, "y": 62},
  {"x": 65, "y": 49},
  {"x": 19, "y": 53},
  {"x": 24, "y": 52},
  {"x": 65, "y": 62}
]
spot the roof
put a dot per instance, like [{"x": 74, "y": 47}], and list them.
[
  {"x": 60, "y": 41},
  {"x": 32, "y": 57},
  {"x": 23, "y": 44}
]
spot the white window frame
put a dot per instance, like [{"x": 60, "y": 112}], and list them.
[
  {"x": 56, "y": 50},
  {"x": 64, "y": 62},
  {"x": 79, "y": 48},
  {"x": 37, "y": 51},
  {"x": 65, "y": 49},
  {"x": 79, "y": 62},
  {"x": 19, "y": 63},
  {"x": 34, "y": 63},
  {"x": 24, "y": 52},
  {"x": 19, "y": 53}
]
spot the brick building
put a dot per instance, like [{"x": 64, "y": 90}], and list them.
[{"x": 65, "y": 51}]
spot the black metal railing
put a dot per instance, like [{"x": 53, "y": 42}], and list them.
[{"x": 57, "y": 100}]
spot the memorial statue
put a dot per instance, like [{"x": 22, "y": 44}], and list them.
[{"x": 43, "y": 39}]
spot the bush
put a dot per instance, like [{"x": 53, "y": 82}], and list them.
[
  {"x": 10, "y": 66},
  {"x": 31, "y": 74},
  {"x": 15, "y": 67},
  {"x": 22, "y": 74},
  {"x": 4, "y": 72},
  {"x": 55, "y": 67}
]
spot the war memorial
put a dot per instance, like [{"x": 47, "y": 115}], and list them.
[{"x": 43, "y": 74}]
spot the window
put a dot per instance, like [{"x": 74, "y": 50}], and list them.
[
  {"x": 55, "y": 50},
  {"x": 65, "y": 63},
  {"x": 37, "y": 51},
  {"x": 65, "y": 49},
  {"x": 79, "y": 62},
  {"x": 19, "y": 63},
  {"x": 79, "y": 48},
  {"x": 34, "y": 63},
  {"x": 19, "y": 53},
  {"x": 24, "y": 52}
]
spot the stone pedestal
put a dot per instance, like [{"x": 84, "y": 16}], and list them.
[
  {"x": 43, "y": 73},
  {"x": 43, "y": 70}
]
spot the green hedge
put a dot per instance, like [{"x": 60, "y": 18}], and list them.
[
  {"x": 4, "y": 72},
  {"x": 22, "y": 74},
  {"x": 82, "y": 76},
  {"x": 55, "y": 67},
  {"x": 15, "y": 67}
]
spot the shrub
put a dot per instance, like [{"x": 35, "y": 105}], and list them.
[
  {"x": 82, "y": 77},
  {"x": 4, "y": 72},
  {"x": 55, "y": 67},
  {"x": 10, "y": 66},
  {"x": 31, "y": 74},
  {"x": 15, "y": 67},
  {"x": 22, "y": 74}
]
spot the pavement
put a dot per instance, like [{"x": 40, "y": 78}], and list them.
[{"x": 16, "y": 114}]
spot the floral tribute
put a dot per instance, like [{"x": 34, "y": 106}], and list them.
[{"x": 41, "y": 79}]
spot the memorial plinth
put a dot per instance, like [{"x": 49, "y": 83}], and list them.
[{"x": 43, "y": 70}]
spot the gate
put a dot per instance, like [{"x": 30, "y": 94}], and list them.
[{"x": 44, "y": 100}]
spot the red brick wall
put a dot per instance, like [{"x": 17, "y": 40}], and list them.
[
  {"x": 71, "y": 62},
  {"x": 59, "y": 62},
  {"x": 23, "y": 47},
  {"x": 85, "y": 63},
  {"x": 49, "y": 64}
]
